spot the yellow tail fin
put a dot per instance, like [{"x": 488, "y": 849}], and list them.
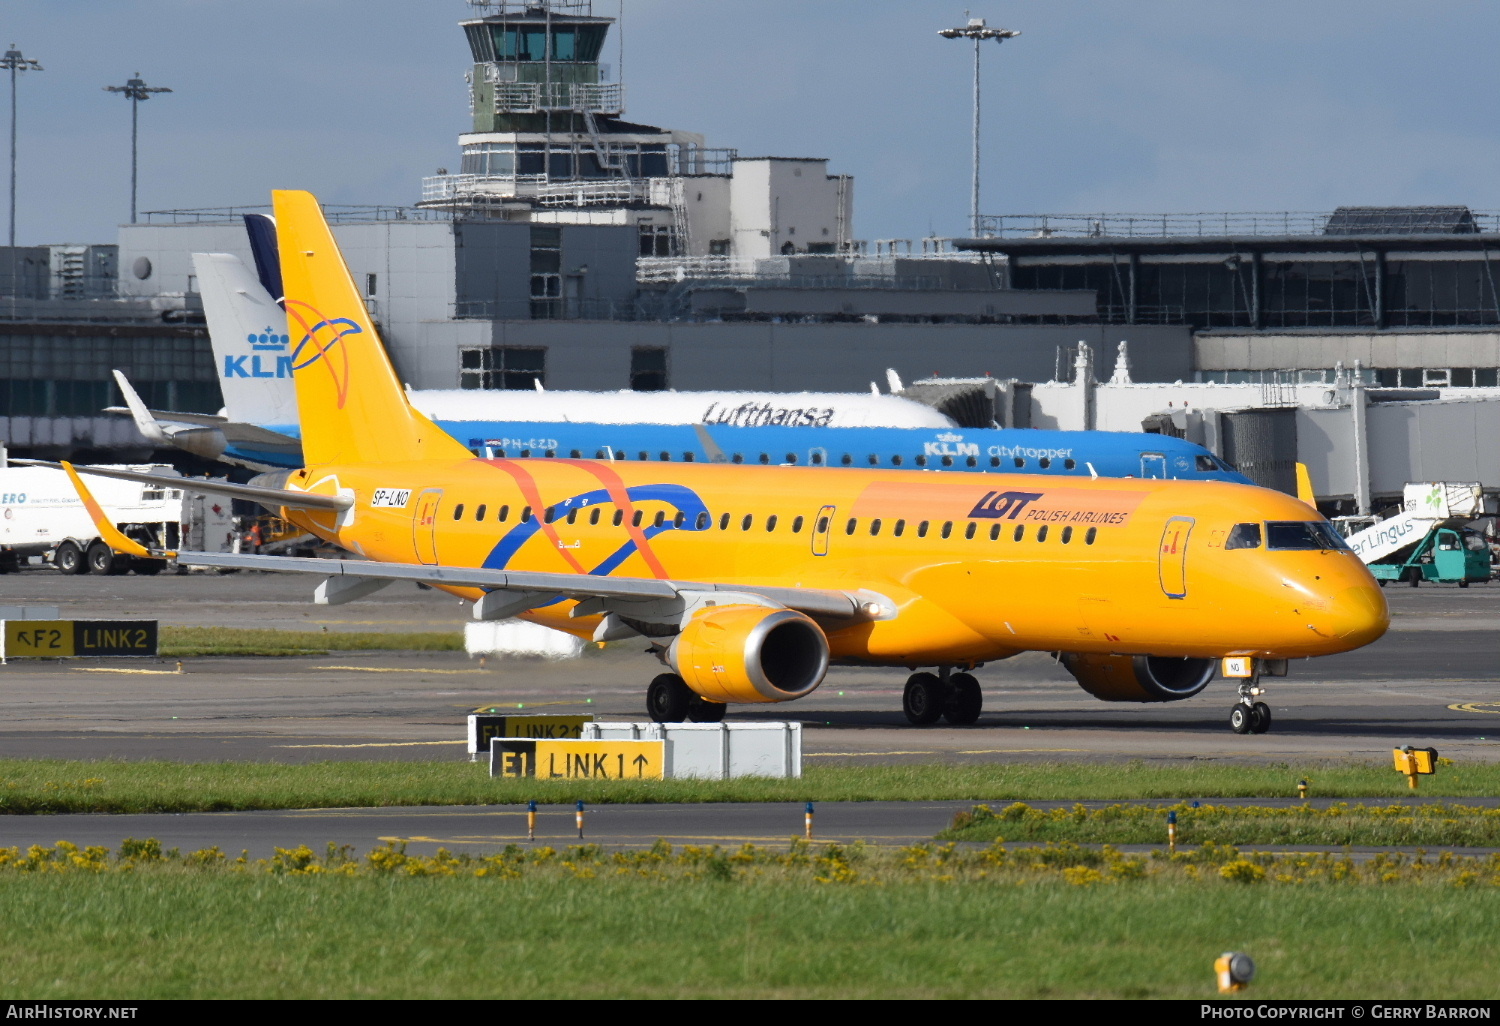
[
  {"x": 352, "y": 407},
  {"x": 1304, "y": 486}
]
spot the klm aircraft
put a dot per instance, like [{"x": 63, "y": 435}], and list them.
[{"x": 247, "y": 328}]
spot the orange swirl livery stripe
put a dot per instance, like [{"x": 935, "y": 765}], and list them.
[
  {"x": 533, "y": 496},
  {"x": 618, "y": 494},
  {"x": 340, "y": 327}
]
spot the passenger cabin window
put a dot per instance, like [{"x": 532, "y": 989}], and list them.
[
  {"x": 701, "y": 524},
  {"x": 745, "y": 524},
  {"x": 661, "y": 518},
  {"x": 572, "y": 516},
  {"x": 946, "y": 461},
  {"x": 969, "y": 531},
  {"x": 724, "y": 522},
  {"x": 458, "y": 511},
  {"x": 1045, "y": 462},
  {"x": 1041, "y": 533},
  {"x": 972, "y": 461},
  {"x": 504, "y": 514},
  {"x": 574, "y": 454},
  {"x": 874, "y": 527},
  {"x": 1020, "y": 462},
  {"x": 895, "y": 461},
  {"x": 994, "y": 532},
  {"x": 797, "y": 526},
  {"x": 1067, "y": 535},
  {"x": 594, "y": 516},
  {"x": 1301, "y": 534},
  {"x": 947, "y": 528},
  {"x": 771, "y": 522},
  {"x": 1093, "y": 532},
  {"x": 618, "y": 518},
  {"x": 1243, "y": 536},
  {"x": 549, "y": 514},
  {"x": 922, "y": 529},
  {"x": 526, "y": 515},
  {"x": 816, "y": 459},
  {"x": 921, "y": 461},
  {"x": 1020, "y": 532},
  {"x": 851, "y": 525},
  {"x": 791, "y": 458},
  {"x": 738, "y": 457},
  {"x": 994, "y": 461},
  {"x": 765, "y": 459},
  {"x": 635, "y": 521},
  {"x": 1070, "y": 464},
  {"x": 899, "y": 529},
  {"x": 480, "y": 511},
  {"x": 846, "y": 459},
  {"x": 822, "y": 525},
  {"x": 874, "y": 460}
]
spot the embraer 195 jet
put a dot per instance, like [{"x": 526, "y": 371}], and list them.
[{"x": 748, "y": 583}]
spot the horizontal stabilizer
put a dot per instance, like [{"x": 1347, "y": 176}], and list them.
[{"x": 264, "y": 496}]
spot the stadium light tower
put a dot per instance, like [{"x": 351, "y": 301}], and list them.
[
  {"x": 978, "y": 31},
  {"x": 14, "y": 63},
  {"x": 135, "y": 91}
]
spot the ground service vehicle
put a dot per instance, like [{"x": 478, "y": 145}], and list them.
[
  {"x": 1445, "y": 555},
  {"x": 747, "y": 583},
  {"x": 41, "y": 515}
]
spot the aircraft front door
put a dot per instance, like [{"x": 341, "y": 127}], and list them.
[
  {"x": 1153, "y": 464},
  {"x": 1172, "y": 559},
  {"x": 821, "y": 527},
  {"x": 424, "y": 526}
]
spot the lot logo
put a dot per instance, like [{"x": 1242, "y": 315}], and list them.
[
  {"x": 1003, "y": 505},
  {"x": 258, "y": 366}
]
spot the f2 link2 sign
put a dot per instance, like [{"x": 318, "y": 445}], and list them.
[
  {"x": 63, "y": 639},
  {"x": 578, "y": 760}
]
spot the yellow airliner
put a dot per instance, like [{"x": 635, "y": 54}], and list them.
[{"x": 749, "y": 582}]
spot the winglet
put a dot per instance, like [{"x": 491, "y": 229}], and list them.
[
  {"x": 710, "y": 447},
  {"x": 1304, "y": 486},
  {"x": 109, "y": 532},
  {"x": 144, "y": 422}
]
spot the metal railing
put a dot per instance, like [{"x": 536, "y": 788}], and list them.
[
  {"x": 576, "y": 97},
  {"x": 1287, "y": 222},
  {"x": 859, "y": 265},
  {"x": 336, "y": 213}
]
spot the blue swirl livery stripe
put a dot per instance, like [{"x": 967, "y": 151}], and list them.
[{"x": 684, "y": 500}]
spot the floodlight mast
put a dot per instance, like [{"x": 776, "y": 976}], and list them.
[
  {"x": 15, "y": 63},
  {"x": 978, "y": 31},
  {"x": 135, "y": 91}
]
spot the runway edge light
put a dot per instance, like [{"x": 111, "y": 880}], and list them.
[{"x": 1234, "y": 970}]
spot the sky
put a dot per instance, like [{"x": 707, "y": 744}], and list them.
[{"x": 1099, "y": 106}]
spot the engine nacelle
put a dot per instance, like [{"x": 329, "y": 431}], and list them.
[
  {"x": 1123, "y": 678},
  {"x": 750, "y": 654}
]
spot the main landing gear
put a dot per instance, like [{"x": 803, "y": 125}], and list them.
[
  {"x": 1249, "y": 716},
  {"x": 670, "y": 700},
  {"x": 954, "y": 697}
]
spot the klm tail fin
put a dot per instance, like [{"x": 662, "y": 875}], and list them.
[
  {"x": 250, "y": 340},
  {"x": 352, "y": 407}
]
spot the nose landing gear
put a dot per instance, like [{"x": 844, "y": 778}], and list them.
[{"x": 1249, "y": 716}]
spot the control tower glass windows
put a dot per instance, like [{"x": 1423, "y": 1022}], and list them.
[
  {"x": 656, "y": 240},
  {"x": 528, "y": 42},
  {"x": 499, "y": 367},
  {"x": 498, "y": 159}
]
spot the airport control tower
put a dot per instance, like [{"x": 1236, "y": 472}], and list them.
[{"x": 548, "y": 126}]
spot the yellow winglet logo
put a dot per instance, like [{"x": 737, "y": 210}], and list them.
[{"x": 109, "y": 532}]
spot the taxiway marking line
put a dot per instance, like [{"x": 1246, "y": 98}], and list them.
[
  {"x": 386, "y": 669},
  {"x": 978, "y": 751},
  {"x": 498, "y": 708},
  {"x": 113, "y": 669},
  {"x": 379, "y": 744},
  {"x": 1476, "y": 707},
  {"x": 793, "y": 832}
]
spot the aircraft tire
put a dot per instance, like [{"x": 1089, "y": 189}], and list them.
[
  {"x": 701, "y": 710},
  {"x": 922, "y": 702},
  {"x": 964, "y": 701},
  {"x": 1414, "y": 577},
  {"x": 1240, "y": 719},
  {"x": 1260, "y": 718},
  {"x": 149, "y": 567},
  {"x": 668, "y": 698},
  {"x": 69, "y": 559}
]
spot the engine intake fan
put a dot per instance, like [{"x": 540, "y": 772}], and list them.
[{"x": 750, "y": 654}]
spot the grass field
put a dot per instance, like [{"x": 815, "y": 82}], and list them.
[
  {"x": 54, "y": 785},
  {"x": 1445, "y": 823},
  {"x": 809, "y": 921},
  {"x": 181, "y": 642}
]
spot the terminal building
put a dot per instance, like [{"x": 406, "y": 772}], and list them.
[{"x": 574, "y": 246}]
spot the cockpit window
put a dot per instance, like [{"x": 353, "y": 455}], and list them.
[
  {"x": 1208, "y": 463},
  {"x": 1244, "y": 536},
  {"x": 1299, "y": 534}
]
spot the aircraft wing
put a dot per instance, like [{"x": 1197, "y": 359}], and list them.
[
  {"x": 540, "y": 588},
  {"x": 174, "y": 416},
  {"x": 272, "y": 497}
]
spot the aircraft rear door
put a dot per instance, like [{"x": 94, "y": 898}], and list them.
[
  {"x": 1172, "y": 558},
  {"x": 821, "y": 526},
  {"x": 1153, "y": 464},
  {"x": 424, "y": 526}
]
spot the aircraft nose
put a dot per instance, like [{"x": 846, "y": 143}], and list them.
[{"x": 1358, "y": 615}]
